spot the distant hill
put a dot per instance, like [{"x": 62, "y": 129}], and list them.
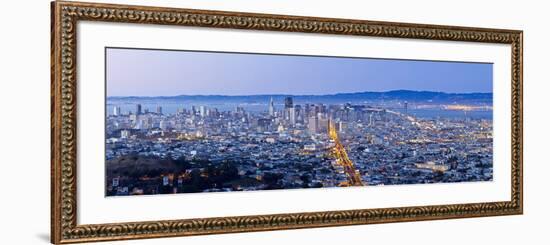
[{"x": 403, "y": 95}]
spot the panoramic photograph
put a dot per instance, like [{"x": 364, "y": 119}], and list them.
[{"x": 202, "y": 121}]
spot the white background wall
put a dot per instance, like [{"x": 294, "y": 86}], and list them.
[{"x": 25, "y": 108}]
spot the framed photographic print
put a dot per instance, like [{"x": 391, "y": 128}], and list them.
[{"x": 175, "y": 122}]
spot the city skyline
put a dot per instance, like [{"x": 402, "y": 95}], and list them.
[
  {"x": 144, "y": 72},
  {"x": 204, "y": 149}
]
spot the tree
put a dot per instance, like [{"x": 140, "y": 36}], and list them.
[
  {"x": 306, "y": 180},
  {"x": 272, "y": 180}
]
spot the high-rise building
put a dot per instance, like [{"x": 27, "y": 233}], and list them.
[
  {"x": 159, "y": 110},
  {"x": 299, "y": 114},
  {"x": 138, "y": 109},
  {"x": 116, "y": 111},
  {"x": 313, "y": 124},
  {"x": 288, "y": 102},
  {"x": 371, "y": 122},
  {"x": 406, "y": 107},
  {"x": 288, "y": 106},
  {"x": 316, "y": 109},
  {"x": 264, "y": 124},
  {"x": 271, "y": 108},
  {"x": 213, "y": 112},
  {"x": 322, "y": 108},
  {"x": 292, "y": 116},
  {"x": 139, "y": 124},
  {"x": 342, "y": 126},
  {"x": 322, "y": 124},
  {"x": 240, "y": 110},
  {"x": 202, "y": 110}
]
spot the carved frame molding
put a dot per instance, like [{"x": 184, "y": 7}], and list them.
[{"x": 65, "y": 16}]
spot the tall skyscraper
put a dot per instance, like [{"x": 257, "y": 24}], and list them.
[
  {"x": 371, "y": 122},
  {"x": 138, "y": 109},
  {"x": 406, "y": 107},
  {"x": 202, "y": 110},
  {"x": 271, "y": 107},
  {"x": 321, "y": 108},
  {"x": 288, "y": 106},
  {"x": 313, "y": 124},
  {"x": 116, "y": 111},
  {"x": 264, "y": 124},
  {"x": 288, "y": 102},
  {"x": 299, "y": 114},
  {"x": 316, "y": 109},
  {"x": 322, "y": 124},
  {"x": 159, "y": 109},
  {"x": 292, "y": 116}
]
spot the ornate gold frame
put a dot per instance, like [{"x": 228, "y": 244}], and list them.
[{"x": 65, "y": 15}]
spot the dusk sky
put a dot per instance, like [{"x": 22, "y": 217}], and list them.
[{"x": 139, "y": 72}]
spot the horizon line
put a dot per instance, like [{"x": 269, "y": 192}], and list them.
[{"x": 297, "y": 95}]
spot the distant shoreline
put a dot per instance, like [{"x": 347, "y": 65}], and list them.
[{"x": 393, "y": 94}]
